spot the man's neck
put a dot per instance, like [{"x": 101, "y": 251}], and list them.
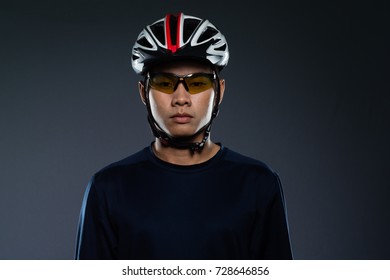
[{"x": 185, "y": 156}]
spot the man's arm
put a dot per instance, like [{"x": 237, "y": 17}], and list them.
[
  {"x": 95, "y": 237},
  {"x": 271, "y": 238}
]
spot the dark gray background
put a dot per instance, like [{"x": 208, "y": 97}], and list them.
[{"x": 307, "y": 92}]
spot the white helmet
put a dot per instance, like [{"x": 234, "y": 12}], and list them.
[{"x": 177, "y": 37}]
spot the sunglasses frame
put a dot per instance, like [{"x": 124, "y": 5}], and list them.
[{"x": 181, "y": 79}]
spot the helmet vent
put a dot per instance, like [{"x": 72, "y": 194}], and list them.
[
  {"x": 158, "y": 31},
  {"x": 221, "y": 48},
  {"x": 190, "y": 25},
  {"x": 173, "y": 27},
  {"x": 207, "y": 34},
  {"x": 144, "y": 42}
]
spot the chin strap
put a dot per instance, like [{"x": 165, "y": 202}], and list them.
[{"x": 182, "y": 142}]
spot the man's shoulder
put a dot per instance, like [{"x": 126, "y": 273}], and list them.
[
  {"x": 248, "y": 162},
  {"x": 135, "y": 159},
  {"x": 257, "y": 172}
]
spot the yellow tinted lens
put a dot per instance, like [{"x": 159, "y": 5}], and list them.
[
  {"x": 199, "y": 83},
  {"x": 164, "y": 83}
]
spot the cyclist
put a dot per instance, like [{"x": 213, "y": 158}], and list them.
[{"x": 183, "y": 196}]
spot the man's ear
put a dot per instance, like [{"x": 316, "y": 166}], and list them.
[
  {"x": 142, "y": 93},
  {"x": 221, "y": 89}
]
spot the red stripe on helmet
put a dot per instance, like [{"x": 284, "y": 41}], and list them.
[
  {"x": 170, "y": 46},
  {"x": 178, "y": 30}
]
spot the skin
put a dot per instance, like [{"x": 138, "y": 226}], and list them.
[{"x": 165, "y": 108}]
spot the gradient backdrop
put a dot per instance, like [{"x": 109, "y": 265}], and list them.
[{"x": 307, "y": 92}]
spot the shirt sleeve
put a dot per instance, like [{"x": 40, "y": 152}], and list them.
[
  {"x": 96, "y": 235},
  {"x": 270, "y": 237}
]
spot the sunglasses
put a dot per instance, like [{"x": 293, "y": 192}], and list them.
[{"x": 193, "y": 83}]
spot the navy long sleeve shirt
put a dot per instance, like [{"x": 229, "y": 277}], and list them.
[{"x": 230, "y": 207}]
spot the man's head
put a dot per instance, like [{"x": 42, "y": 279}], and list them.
[{"x": 180, "y": 58}]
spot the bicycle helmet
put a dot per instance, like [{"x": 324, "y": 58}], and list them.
[
  {"x": 177, "y": 37},
  {"x": 180, "y": 37}
]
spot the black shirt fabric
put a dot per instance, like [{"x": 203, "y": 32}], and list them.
[{"x": 230, "y": 207}]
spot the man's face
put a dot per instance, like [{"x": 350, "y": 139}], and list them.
[{"x": 180, "y": 113}]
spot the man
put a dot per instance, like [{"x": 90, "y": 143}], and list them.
[{"x": 184, "y": 196}]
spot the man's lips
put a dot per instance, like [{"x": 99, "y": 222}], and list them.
[{"x": 181, "y": 118}]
